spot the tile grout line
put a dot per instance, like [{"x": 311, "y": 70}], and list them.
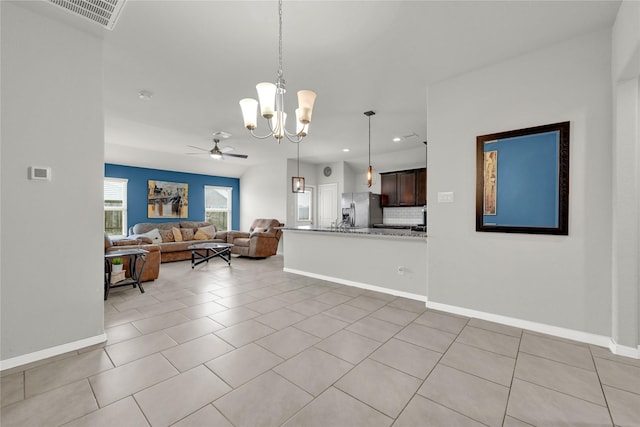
[
  {"x": 604, "y": 395},
  {"x": 431, "y": 371},
  {"x": 513, "y": 375}
]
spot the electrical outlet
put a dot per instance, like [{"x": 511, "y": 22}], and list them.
[{"x": 401, "y": 270}]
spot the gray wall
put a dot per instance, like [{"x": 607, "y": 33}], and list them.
[
  {"x": 52, "y": 250},
  {"x": 360, "y": 260},
  {"x": 626, "y": 177},
  {"x": 563, "y": 281}
]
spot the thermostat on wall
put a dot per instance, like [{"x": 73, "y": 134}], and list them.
[{"x": 39, "y": 173}]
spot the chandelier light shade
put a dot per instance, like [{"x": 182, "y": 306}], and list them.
[
  {"x": 271, "y": 97},
  {"x": 297, "y": 182},
  {"x": 369, "y": 169}
]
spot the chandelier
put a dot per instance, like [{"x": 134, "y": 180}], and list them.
[{"x": 271, "y": 98}]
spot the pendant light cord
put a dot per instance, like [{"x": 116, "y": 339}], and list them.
[
  {"x": 298, "y": 158},
  {"x": 280, "y": 39},
  {"x": 369, "y": 140}
]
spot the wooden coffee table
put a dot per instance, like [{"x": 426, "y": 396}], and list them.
[{"x": 205, "y": 251}]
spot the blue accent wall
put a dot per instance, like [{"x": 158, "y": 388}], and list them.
[
  {"x": 137, "y": 192},
  {"x": 527, "y": 180}
]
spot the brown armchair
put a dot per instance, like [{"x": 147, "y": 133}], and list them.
[
  {"x": 152, "y": 266},
  {"x": 260, "y": 242}
]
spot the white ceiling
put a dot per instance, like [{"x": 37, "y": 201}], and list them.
[{"x": 199, "y": 58}]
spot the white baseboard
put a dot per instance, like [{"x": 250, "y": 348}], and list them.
[
  {"x": 358, "y": 284},
  {"x": 599, "y": 340},
  {"x": 622, "y": 350},
  {"x": 51, "y": 352}
]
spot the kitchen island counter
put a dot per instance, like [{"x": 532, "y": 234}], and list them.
[
  {"x": 393, "y": 261},
  {"x": 386, "y": 232}
]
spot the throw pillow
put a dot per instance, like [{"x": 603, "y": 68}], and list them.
[
  {"x": 145, "y": 240},
  {"x": 187, "y": 234},
  {"x": 167, "y": 236},
  {"x": 154, "y": 235},
  {"x": 201, "y": 235},
  {"x": 177, "y": 235},
  {"x": 210, "y": 230}
]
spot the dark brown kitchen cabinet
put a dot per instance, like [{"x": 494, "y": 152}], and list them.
[
  {"x": 389, "y": 189},
  {"x": 407, "y": 188},
  {"x": 404, "y": 188},
  {"x": 421, "y": 187}
]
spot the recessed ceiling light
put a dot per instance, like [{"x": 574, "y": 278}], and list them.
[
  {"x": 397, "y": 139},
  {"x": 145, "y": 95},
  {"x": 346, "y": 150}
]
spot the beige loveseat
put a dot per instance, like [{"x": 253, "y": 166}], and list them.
[{"x": 189, "y": 232}]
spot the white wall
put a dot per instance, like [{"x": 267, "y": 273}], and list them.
[
  {"x": 360, "y": 260},
  {"x": 626, "y": 178},
  {"x": 263, "y": 193},
  {"x": 562, "y": 281},
  {"x": 51, "y": 277}
]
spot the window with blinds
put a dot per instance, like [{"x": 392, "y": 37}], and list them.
[
  {"x": 115, "y": 206},
  {"x": 217, "y": 206}
]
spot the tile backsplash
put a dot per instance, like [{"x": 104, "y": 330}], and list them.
[{"x": 402, "y": 216}]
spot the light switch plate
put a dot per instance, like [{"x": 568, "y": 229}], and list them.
[
  {"x": 40, "y": 173},
  {"x": 445, "y": 197}
]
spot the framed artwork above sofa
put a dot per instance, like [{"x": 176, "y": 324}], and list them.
[{"x": 167, "y": 199}]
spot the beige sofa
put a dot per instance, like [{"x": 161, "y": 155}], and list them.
[{"x": 171, "y": 250}]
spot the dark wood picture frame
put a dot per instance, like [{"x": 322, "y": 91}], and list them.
[{"x": 554, "y": 167}]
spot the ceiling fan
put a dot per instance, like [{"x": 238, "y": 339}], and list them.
[{"x": 219, "y": 153}]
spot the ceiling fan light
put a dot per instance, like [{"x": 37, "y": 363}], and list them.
[
  {"x": 249, "y": 107},
  {"x": 216, "y": 156},
  {"x": 267, "y": 97},
  {"x": 306, "y": 99}
]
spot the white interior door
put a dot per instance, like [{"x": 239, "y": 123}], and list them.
[{"x": 327, "y": 204}]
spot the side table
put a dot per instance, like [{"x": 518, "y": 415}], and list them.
[{"x": 137, "y": 260}]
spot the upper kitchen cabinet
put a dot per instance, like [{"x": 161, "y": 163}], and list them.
[
  {"x": 421, "y": 187},
  {"x": 407, "y": 188},
  {"x": 404, "y": 188},
  {"x": 389, "y": 189}
]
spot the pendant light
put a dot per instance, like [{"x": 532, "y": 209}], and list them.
[
  {"x": 369, "y": 169},
  {"x": 297, "y": 182}
]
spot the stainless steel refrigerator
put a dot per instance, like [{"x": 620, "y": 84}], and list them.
[{"x": 361, "y": 209}]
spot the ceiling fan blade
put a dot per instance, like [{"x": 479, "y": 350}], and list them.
[
  {"x": 227, "y": 149},
  {"x": 194, "y": 154},
  {"x": 241, "y": 156},
  {"x": 198, "y": 148}
]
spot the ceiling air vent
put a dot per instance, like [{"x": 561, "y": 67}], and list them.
[{"x": 104, "y": 12}]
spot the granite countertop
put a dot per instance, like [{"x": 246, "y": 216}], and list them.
[{"x": 391, "y": 232}]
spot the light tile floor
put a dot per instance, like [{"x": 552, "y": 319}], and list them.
[{"x": 250, "y": 345}]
